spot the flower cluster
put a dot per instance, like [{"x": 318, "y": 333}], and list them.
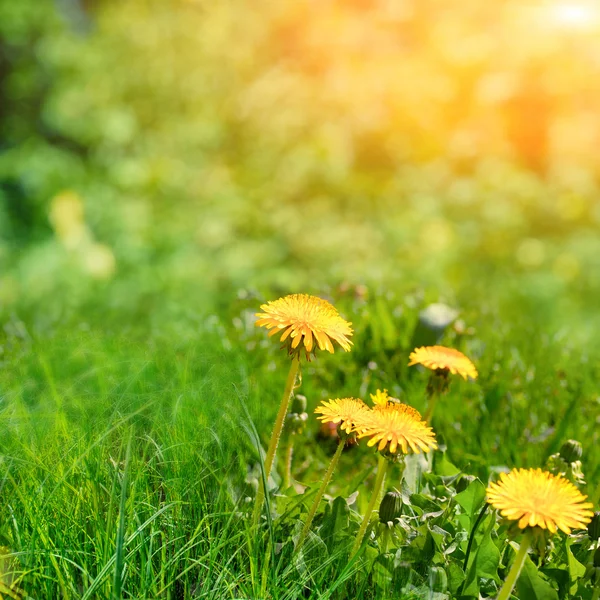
[
  {"x": 393, "y": 427},
  {"x": 537, "y": 502}
]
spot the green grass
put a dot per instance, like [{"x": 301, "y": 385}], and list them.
[{"x": 127, "y": 456}]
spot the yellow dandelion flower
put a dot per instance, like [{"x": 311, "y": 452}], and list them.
[
  {"x": 444, "y": 359},
  {"x": 406, "y": 408},
  {"x": 396, "y": 425},
  {"x": 344, "y": 412},
  {"x": 380, "y": 398},
  {"x": 536, "y": 498},
  {"x": 306, "y": 319}
]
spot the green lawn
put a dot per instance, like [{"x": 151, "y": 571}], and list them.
[{"x": 128, "y": 454}]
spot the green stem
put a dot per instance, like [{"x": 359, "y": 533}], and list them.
[
  {"x": 517, "y": 565},
  {"x": 431, "y": 406},
  {"x": 289, "y": 453},
  {"x": 270, "y": 457},
  {"x": 381, "y": 471},
  {"x": 596, "y": 593},
  {"x": 317, "y": 500}
]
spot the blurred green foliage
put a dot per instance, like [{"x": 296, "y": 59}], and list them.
[{"x": 214, "y": 146}]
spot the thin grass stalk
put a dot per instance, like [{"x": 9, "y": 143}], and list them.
[
  {"x": 517, "y": 565},
  {"x": 270, "y": 457},
  {"x": 264, "y": 580},
  {"x": 313, "y": 509},
  {"x": 120, "y": 543},
  {"x": 289, "y": 455},
  {"x": 381, "y": 472}
]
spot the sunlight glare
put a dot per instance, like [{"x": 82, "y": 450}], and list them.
[{"x": 573, "y": 15}]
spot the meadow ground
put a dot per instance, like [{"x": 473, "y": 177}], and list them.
[{"x": 129, "y": 456}]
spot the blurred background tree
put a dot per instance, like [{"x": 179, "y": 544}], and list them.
[{"x": 206, "y": 146}]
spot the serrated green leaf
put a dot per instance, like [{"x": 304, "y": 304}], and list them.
[
  {"x": 465, "y": 522},
  {"x": 531, "y": 586},
  {"x": 438, "y": 535},
  {"x": 335, "y": 523},
  {"x": 455, "y": 577},
  {"x": 425, "y": 544},
  {"x": 576, "y": 569},
  {"x": 443, "y": 467},
  {"x": 484, "y": 564},
  {"x": 561, "y": 578},
  {"x": 471, "y": 499},
  {"x": 425, "y": 503},
  {"x": 381, "y": 573}
]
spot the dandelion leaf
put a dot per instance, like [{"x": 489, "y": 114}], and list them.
[
  {"x": 471, "y": 500},
  {"x": 531, "y": 586},
  {"x": 484, "y": 565},
  {"x": 335, "y": 523}
]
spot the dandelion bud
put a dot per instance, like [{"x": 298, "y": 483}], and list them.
[
  {"x": 594, "y": 527},
  {"x": 298, "y": 404},
  {"x": 572, "y": 471},
  {"x": 295, "y": 423},
  {"x": 390, "y": 508},
  {"x": 571, "y": 451},
  {"x": 593, "y": 574},
  {"x": 438, "y": 580}
]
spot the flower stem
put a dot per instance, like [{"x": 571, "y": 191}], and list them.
[
  {"x": 433, "y": 398},
  {"x": 289, "y": 454},
  {"x": 270, "y": 457},
  {"x": 596, "y": 593},
  {"x": 317, "y": 500},
  {"x": 517, "y": 565},
  {"x": 381, "y": 471}
]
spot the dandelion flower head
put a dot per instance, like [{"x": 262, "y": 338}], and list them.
[
  {"x": 380, "y": 398},
  {"x": 305, "y": 319},
  {"x": 536, "y": 498},
  {"x": 344, "y": 412},
  {"x": 444, "y": 359},
  {"x": 398, "y": 425}
]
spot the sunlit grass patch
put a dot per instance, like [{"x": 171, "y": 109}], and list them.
[{"x": 126, "y": 463}]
